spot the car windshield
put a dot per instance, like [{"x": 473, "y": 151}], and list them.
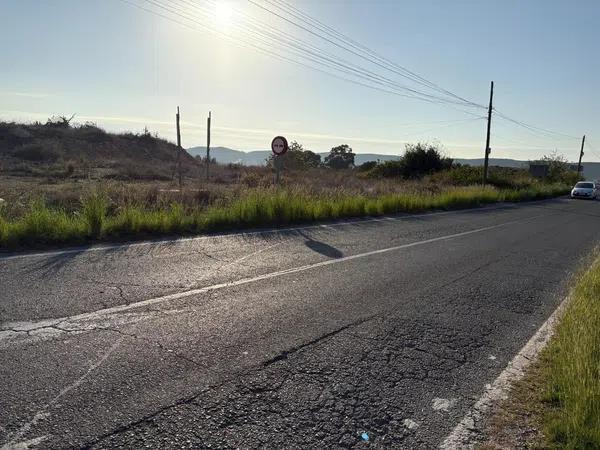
[{"x": 585, "y": 185}]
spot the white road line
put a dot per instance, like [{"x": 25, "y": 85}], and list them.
[
  {"x": 29, "y": 326},
  {"x": 330, "y": 226},
  {"x": 465, "y": 434},
  {"x": 16, "y": 440}
]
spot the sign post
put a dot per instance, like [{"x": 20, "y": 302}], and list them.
[{"x": 279, "y": 145}]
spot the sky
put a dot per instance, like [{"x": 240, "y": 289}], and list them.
[{"x": 127, "y": 67}]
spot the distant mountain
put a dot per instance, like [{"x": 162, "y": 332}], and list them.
[
  {"x": 226, "y": 155},
  {"x": 501, "y": 162}
]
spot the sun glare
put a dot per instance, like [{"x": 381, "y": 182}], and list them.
[{"x": 223, "y": 12}]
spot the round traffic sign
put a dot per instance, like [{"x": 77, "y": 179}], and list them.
[{"x": 279, "y": 145}]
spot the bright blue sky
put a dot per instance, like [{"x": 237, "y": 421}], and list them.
[{"x": 124, "y": 69}]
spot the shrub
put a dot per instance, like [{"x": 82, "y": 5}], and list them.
[
  {"x": 35, "y": 153},
  {"x": 418, "y": 160},
  {"x": 388, "y": 169},
  {"x": 423, "y": 158},
  {"x": 367, "y": 166}
]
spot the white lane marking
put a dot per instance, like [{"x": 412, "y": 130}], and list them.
[
  {"x": 42, "y": 414},
  {"x": 442, "y": 404},
  {"x": 12, "y": 327},
  {"x": 331, "y": 226},
  {"x": 24, "y": 445},
  {"x": 464, "y": 435}
]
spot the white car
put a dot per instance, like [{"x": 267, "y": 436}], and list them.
[{"x": 586, "y": 189}]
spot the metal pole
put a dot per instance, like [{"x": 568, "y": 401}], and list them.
[{"x": 277, "y": 163}]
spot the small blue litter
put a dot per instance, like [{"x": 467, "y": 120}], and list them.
[{"x": 365, "y": 436}]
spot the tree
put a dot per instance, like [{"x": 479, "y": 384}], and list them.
[
  {"x": 558, "y": 168},
  {"x": 297, "y": 158},
  {"x": 340, "y": 157},
  {"x": 423, "y": 158}
]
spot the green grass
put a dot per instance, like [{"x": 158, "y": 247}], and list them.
[
  {"x": 571, "y": 369},
  {"x": 93, "y": 209},
  {"x": 258, "y": 207}
]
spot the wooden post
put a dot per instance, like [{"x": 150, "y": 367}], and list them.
[
  {"x": 178, "y": 165},
  {"x": 487, "y": 139},
  {"x": 580, "y": 157},
  {"x": 208, "y": 145}
]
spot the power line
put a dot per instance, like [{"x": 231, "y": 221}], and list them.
[
  {"x": 337, "y": 44},
  {"x": 260, "y": 36},
  {"x": 295, "y": 12},
  {"x": 260, "y": 49},
  {"x": 186, "y": 16},
  {"x": 311, "y": 21},
  {"x": 533, "y": 128},
  {"x": 254, "y": 27}
]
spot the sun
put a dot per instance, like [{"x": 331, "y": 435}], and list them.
[{"x": 223, "y": 12}]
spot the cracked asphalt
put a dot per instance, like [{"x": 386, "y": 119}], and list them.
[{"x": 309, "y": 337}]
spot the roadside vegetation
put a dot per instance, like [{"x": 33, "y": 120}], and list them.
[
  {"x": 64, "y": 183},
  {"x": 97, "y": 219},
  {"x": 571, "y": 369},
  {"x": 557, "y": 404}
]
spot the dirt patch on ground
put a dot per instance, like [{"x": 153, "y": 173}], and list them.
[{"x": 515, "y": 422}]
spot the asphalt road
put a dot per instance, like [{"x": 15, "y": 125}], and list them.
[{"x": 298, "y": 338}]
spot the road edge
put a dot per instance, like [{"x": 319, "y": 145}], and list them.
[{"x": 469, "y": 430}]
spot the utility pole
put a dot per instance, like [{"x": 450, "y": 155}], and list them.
[
  {"x": 487, "y": 139},
  {"x": 207, "y": 145},
  {"x": 178, "y": 147},
  {"x": 580, "y": 156}
]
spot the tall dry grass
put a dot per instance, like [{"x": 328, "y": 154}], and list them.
[
  {"x": 571, "y": 366},
  {"x": 95, "y": 218}
]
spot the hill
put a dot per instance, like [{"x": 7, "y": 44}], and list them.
[{"x": 57, "y": 148}]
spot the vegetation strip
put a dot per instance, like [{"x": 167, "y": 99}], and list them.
[
  {"x": 557, "y": 403},
  {"x": 571, "y": 370},
  {"x": 259, "y": 207}
]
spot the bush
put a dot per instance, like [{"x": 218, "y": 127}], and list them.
[
  {"x": 388, "y": 169},
  {"x": 35, "y": 153},
  {"x": 423, "y": 158},
  {"x": 367, "y": 166},
  {"x": 418, "y": 160}
]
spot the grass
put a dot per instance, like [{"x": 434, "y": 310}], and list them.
[
  {"x": 257, "y": 207},
  {"x": 572, "y": 370},
  {"x": 557, "y": 404}
]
